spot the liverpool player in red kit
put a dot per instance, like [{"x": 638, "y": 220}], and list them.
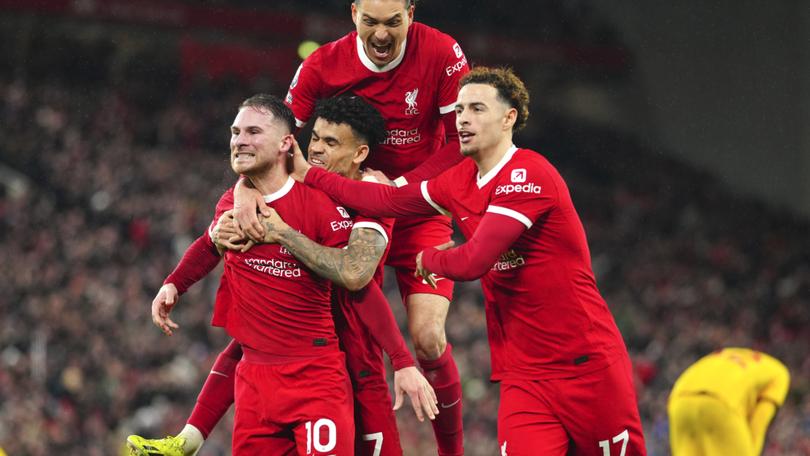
[
  {"x": 345, "y": 130},
  {"x": 565, "y": 376},
  {"x": 292, "y": 392},
  {"x": 410, "y": 73}
]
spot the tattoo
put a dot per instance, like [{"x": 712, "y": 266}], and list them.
[{"x": 352, "y": 267}]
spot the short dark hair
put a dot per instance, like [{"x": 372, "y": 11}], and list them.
[
  {"x": 511, "y": 89},
  {"x": 408, "y": 3},
  {"x": 274, "y": 105},
  {"x": 365, "y": 120}
]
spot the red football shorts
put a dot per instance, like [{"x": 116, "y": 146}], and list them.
[
  {"x": 594, "y": 414},
  {"x": 300, "y": 407},
  {"x": 375, "y": 423},
  {"x": 411, "y": 236}
]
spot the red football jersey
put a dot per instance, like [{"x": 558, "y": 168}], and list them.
[
  {"x": 411, "y": 92},
  {"x": 276, "y": 304},
  {"x": 545, "y": 316}
]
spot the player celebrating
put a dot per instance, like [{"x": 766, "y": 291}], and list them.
[
  {"x": 345, "y": 130},
  {"x": 410, "y": 72},
  {"x": 724, "y": 403},
  {"x": 566, "y": 383}
]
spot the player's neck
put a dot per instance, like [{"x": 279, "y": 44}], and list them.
[
  {"x": 354, "y": 174},
  {"x": 486, "y": 159},
  {"x": 270, "y": 181}
]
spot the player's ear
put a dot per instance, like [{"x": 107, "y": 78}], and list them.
[
  {"x": 286, "y": 144},
  {"x": 410, "y": 13},
  {"x": 354, "y": 13},
  {"x": 509, "y": 119},
  {"x": 360, "y": 154}
]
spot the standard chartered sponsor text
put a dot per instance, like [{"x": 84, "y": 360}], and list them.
[
  {"x": 399, "y": 137},
  {"x": 274, "y": 267}
]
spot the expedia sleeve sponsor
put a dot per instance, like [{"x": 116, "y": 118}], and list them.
[
  {"x": 531, "y": 187},
  {"x": 341, "y": 225}
]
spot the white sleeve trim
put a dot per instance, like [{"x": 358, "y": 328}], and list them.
[
  {"x": 299, "y": 123},
  {"x": 400, "y": 181},
  {"x": 374, "y": 226},
  {"x": 511, "y": 213},
  {"x": 430, "y": 201},
  {"x": 211, "y": 232},
  {"x": 448, "y": 108}
]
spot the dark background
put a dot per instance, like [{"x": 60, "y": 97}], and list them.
[{"x": 680, "y": 129}]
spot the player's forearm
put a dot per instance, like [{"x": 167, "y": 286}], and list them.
[
  {"x": 351, "y": 268},
  {"x": 445, "y": 158},
  {"x": 200, "y": 258},
  {"x": 494, "y": 236},
  {"x": 759, "y": 421},
  {"x": 376, "y": 315},
  {"x": 370, "y": 198}
]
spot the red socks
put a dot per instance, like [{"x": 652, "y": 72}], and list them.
[
  {"x": 443, "y": 375},
  {"x": 216, "y": 396}
]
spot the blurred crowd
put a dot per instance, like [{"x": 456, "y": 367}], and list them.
[{"x": 114, "y": 192}]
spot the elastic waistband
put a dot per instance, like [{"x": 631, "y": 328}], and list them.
[{"x": 259, "y": 357}]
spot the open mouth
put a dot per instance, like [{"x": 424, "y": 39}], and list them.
[
  {"x": 315, "y": 161},
  {"x": 381, "y": 51},
  {"x": 465, "y": 136}
]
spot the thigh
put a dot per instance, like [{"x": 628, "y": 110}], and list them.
[
  {"x": 375, "y": 422},
  {"x": 600, "y": 412},
  {"x": 329, "y": 431},
  {"x": 527, "y": 425},
  {"x": 410, "y": 237},
  {"x": 252, "y": 434}
]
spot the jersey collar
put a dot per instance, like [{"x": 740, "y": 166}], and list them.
[
  {"x": 361, "y": 52},
  {"x": 484, "y": 180},
  {"x": 280, "y": 192}
]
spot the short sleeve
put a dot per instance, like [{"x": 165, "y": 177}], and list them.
[
  {"x": 454, "y": 66},
  {"x": 384, "y": 226},
  {"x": 524, "y": 191},
  {"x": 224, "y": 204},
  {"x": 304, "y": 89}
]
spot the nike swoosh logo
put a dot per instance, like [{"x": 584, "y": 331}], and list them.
[
  {"x": 446, "y": 406},
  {"x": 424, "y": 282},
  {"x": 464, "y": 218}
]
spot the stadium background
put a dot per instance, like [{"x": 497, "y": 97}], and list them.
[{"x": 681, "y": 129}]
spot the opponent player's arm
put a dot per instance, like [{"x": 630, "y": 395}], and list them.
[
  {"x": 351, "y": 267},
  {"x": 449, "y": 155},
  {"x": 494, "y": 235},
  {"x": 770, "y": 398}
]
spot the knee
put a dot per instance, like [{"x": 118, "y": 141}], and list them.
[{"x": 429, "y": 341}]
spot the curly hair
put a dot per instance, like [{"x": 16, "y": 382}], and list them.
[
  {"x": 274, "y": 105},
  {"x": 365, "y": 120},
  {"x": 511, "y": 89}
]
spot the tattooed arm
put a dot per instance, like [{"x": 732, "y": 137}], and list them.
[{"x": 351, "y": 268}]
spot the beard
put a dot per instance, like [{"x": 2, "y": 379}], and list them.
[{"x": 469, "y": 151}]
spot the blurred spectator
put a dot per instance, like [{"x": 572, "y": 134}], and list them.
[{"x": 118, "y": 188}]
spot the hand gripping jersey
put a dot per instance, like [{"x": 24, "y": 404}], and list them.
[
  {"x": 411, "y": 92},
  {"x": 545, "y": 316}
]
